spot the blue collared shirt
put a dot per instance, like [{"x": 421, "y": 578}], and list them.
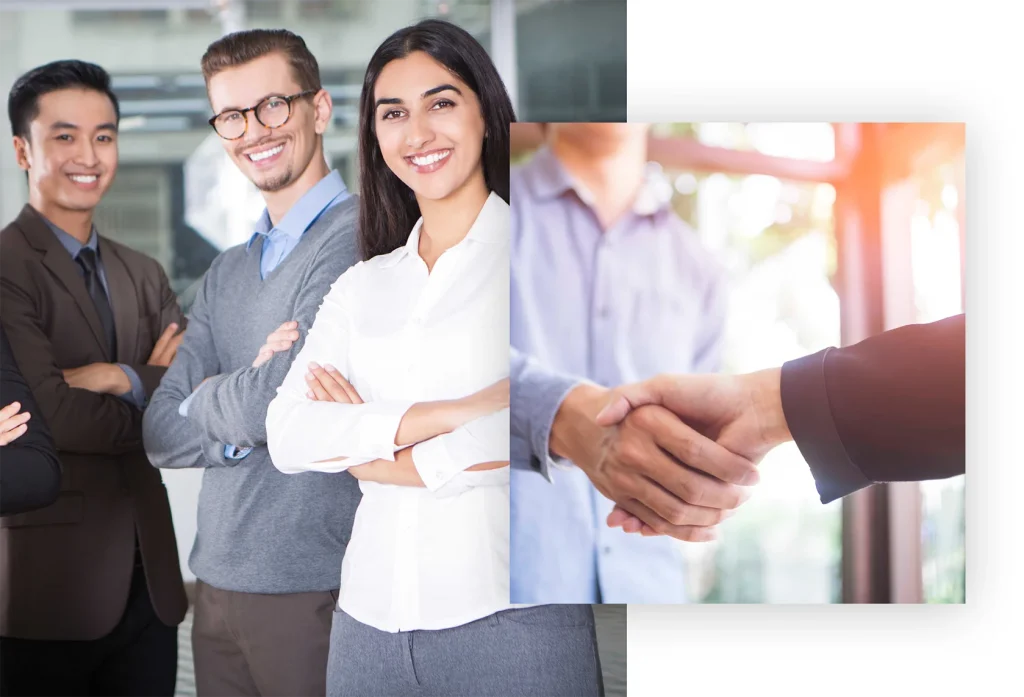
[
  {"x": 279, "y": 241},
  {"x": 137, "y": 395},
  {"x": 609, "y": 306}
]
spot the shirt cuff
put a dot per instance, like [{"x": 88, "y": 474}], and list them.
[
  {"x": 469, "y": 480},
  {"x": 233, "y": 452},
  {"x": 555, "y": 392},
  {"x": 433, "y": 463},
  {"x": 377, "y": 431},
  {"x": 809, "y": 417},
  {"x": 137, "y": 394}
]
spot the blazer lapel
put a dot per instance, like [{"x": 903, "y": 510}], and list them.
[
  {"x": 62, "y": 266},
  {"x": 124, "y": 302}
]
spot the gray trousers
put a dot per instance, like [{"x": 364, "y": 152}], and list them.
[
  {"x": 257, "y": 645},
  {"x": 543, "y": 651}
]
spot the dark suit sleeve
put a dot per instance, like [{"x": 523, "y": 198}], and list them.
[
  {"x": 170, "y": 312},
  {"x": 83, "y": 422},
  {"x": 890, "y": 408},
  {"x": 29, "y": 468}
]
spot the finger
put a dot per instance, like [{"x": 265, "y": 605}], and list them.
[
  {"x": 695, "y": 449},
  {"x": 285, "y": 326},
  {"x": 625, "y": 399},
  {"x": 640, "y": 453},
  {"x": 262, "y": 357},
  {"x": 291, "y": 336},
  {"x": 14, "y": 422},
  {"x": 620, "y": 518},
  {"x": 10, "y": 410},
  {"x": 279, "y": 346},
  {"x": 171, "y": 350},
  {"x": 11, "y": 436},
  {"x": 675, "y": 510},
  {"x": 319, "y": 393},
  {"x": 345, "y": 384},
  {"x": 329, "y": 383},
  {"x": 311, "y": 395},
  {"x": 165, "y": 338},
  {"x": 659, "y": 526}
]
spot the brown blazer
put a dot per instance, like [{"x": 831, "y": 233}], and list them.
[{"x": 65, "y": 569}]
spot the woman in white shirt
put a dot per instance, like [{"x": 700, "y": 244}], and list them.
[{"x": 403, "y": 383}]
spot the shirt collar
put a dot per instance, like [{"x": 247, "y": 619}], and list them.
[
  {"x": 306, "y": 210},
  {"x": 69, "y": 242},
  {"x": 492, "y": 226},
  {"x": 548, "y": 179}
]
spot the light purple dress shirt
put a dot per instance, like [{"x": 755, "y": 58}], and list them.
[{"x": 612, "y": 307}]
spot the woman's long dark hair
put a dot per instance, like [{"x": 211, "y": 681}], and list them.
[{"x": 387, "y": 207}]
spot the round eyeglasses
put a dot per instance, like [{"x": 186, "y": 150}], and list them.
[{"x": 273, "y": 112}]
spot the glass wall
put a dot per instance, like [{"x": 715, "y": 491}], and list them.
[{"x": 936, "y": 238}]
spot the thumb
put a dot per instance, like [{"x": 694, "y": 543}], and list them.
[{"x": 626, "y": 398}]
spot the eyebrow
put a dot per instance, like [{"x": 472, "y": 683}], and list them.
[
  {"x": 64, "y": 126},
  {"x": 429, "y": 93},
  {"x": 239, "y": 108}
]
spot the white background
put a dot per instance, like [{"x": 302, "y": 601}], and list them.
[{"x": 902, "y": 60}]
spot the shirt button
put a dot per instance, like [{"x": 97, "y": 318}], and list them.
[
  {"x": 607, "y": 550},
  {"x": 603, "y": 312}
]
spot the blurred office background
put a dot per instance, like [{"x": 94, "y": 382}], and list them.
[
  {"x": 830, "y": 232},
  {"x": 179, "y": 199}
]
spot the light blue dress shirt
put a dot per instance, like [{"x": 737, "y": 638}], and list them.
[
  {"x": 609, "y": 306},
  {"x": 279, "y": 241},
  {"x": 137, "y": 395}
]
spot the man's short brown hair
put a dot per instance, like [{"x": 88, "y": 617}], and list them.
[{"x": 244, "y": 47}]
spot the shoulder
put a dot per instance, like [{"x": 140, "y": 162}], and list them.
[
  {"x": 133, "y": 259},
  {"x": 13, "y": 240},
  {"x": 337, "y": 235},
  {"x": 16, "y": 254}
]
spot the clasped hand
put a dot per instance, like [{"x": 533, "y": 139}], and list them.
[{"x": 677, "y": 454}]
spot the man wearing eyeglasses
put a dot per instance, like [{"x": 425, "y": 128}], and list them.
[{"x": 268, "y": 546}]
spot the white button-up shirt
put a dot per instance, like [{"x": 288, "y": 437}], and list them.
[{"x": 419, "y": 558}]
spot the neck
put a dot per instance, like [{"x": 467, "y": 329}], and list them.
[
  {"x": 78, "y": 224},
  {"x": 447, "y": 221},
  {"x": 281, "y": 201},
  {"x": 614, "y": 176}
]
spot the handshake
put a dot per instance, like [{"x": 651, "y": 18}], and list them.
[{"x": 676, "y": 453}]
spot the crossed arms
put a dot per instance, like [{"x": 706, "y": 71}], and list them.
[{"x": 319, "y": 422}]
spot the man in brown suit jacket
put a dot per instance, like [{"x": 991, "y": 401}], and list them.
[{"x": 90, "y": 587}]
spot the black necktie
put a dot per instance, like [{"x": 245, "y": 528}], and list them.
[{"x": 87, "y": 260}]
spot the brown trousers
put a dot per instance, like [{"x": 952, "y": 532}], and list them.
[{"x": 258, "y": 645}]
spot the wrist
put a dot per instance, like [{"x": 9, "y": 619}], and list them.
[
  {"x": 766, "y": 395},
  {"x": 575, "y": 434},
  {"x": 117, "y": 380}
]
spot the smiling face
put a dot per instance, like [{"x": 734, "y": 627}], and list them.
[
  {"x": 272, "y": 158},
  {"x": 429, "y": 127},
  {"x": 71, "y": 151}
]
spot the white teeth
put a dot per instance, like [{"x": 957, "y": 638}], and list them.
[
  {"x": 430, "y": 159},
  {"x": 257, "y": 156},
  {"x": 83, "y": 179}
]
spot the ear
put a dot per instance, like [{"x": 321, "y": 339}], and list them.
[
  {"x": 21, "y": 153},
  {"x": 323, "y": 107}
]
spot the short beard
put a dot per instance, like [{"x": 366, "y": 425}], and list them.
[{"x": 275, "y": 183}]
